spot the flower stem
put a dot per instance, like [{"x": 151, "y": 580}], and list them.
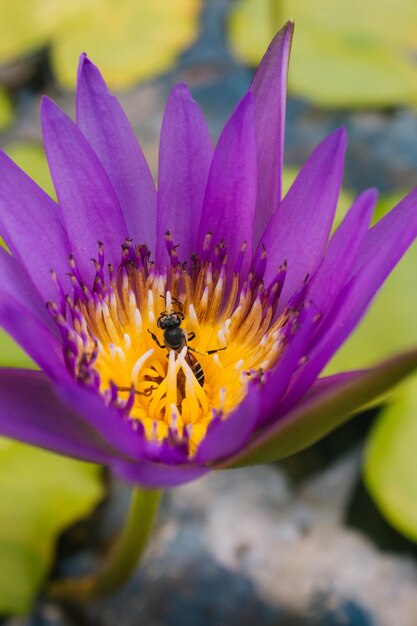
[{"x": 122, "y": 559}]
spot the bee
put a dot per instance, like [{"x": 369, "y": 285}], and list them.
[{"x": 176, "y": 338}]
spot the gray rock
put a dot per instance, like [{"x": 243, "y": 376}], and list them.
[{"x": 243, "y": 547}]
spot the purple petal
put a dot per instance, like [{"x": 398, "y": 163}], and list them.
[
  {"x": 31, "y": 412},
  {"x": 342, "y": 252},
  {"x": 229, "y": 203},
  {"x": 277, "y": 383},
  {"x": 324, "y": 386},
  {"x": 15, "y": 284},
  {"x": 90, "y": 208},
  {"x": 382, "y": 249},
  {"x": 155, "y": 475},
  {"x": 309, "y": 421},
  {"x": 104, "y": 123},
  {"x": 269, "y": 88},
  {"x": 185, "y": 154},
  {"x": 226, "y": 436},
  {"x": 117, "y": 430},
  {"x": 300, "y": 227},
  {"x": 31, "y": 227},
  {"x": 33, "y": 335},
  {"x": 394, "y": 233},
  {"x": 166, "y": 452}
]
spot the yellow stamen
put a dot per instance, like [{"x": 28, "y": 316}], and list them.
[{"x": 168, "y": 394}]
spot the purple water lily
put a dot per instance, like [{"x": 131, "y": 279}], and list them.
[{"x": 183, "y": 329}]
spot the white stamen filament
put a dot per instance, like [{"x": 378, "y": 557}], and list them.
[
  {"x": 138, "y": 322},
  {"x": 168, "y": 301},
  {"x": 128, "y": 341},
  {"x": 222, "y": 397},
  {"x": 138, "y": 365}
]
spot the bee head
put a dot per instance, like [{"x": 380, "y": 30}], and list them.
[{"x": 170, "y": 320}]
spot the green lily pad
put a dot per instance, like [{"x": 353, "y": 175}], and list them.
[
  {"x": 390, "y": 468},
  {"x": 41, "y": 495},
  {"x": 6, "y": 110},
  {"x": 357, "y": 53},
  {"x": 130, "y": 40},
  {"x": 12, "y": 355},
  {"x": 25, "y": 26}
]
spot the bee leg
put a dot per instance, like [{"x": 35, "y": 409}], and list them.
[
  {"x": 147, "y": 392},
  {"x": 191, "y": 336},
  {"x": 179, "y": 305},
  {"x": 156, "y": 340},
  {"x": 217, "y": 350},
  {"x": 208, "y": 352}
]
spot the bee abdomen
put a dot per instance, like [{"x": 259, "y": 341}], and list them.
[{"x": 198, "y": 373}]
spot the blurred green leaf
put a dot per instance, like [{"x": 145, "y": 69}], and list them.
[
  {"x": 11, "y": 354},
  {"x": 130, "y": 40},
  {"x": 391, "y": 461},
  {"x": 41, "y": 495},
  {"x": 6, "y": 110},
  {"x": 357, "y": 53},
  {"x": 25, "y": 26}
]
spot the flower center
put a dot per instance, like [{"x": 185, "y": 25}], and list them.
[{"x": 173, "y": 349}]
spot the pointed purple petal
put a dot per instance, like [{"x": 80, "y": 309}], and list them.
[
  {"x": 342, "y": 252},
  {"x": 185, "y": 155},
  {"x": 29, "y": 215},
  {"x": 309, "y": 421},
  {"x": 395, "y": 232},
  {"x": 31, "y": 412},
  {"x": 269, "y": 88},
  {"x": 104, "y": 123},
  {"x": 229, "y": 203},
  {"x": 226, "y": 436},
  {"x": 90, "y": 208},
  {"x": 383, "y": 247},
  {"x": 156, "y": 475},
  {"x": 300, "y": 227}
]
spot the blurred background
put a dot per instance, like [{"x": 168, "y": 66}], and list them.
[{"x": 329, "y": 536}]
